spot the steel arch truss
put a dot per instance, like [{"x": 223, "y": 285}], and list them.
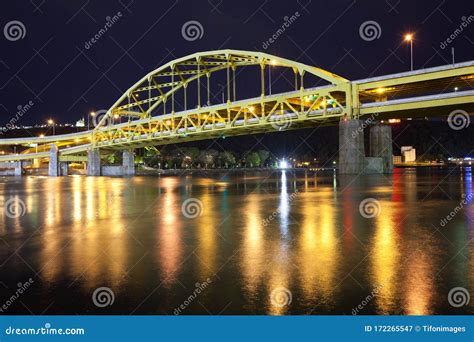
[
  {"x": 160, "y": 86},
  {"x": 278, "y": 112}
]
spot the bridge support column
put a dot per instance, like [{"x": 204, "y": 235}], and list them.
[
  {"x": 64, "y": 168},
  {"x": 351, "y": 147},
  {"x": 93, "y": 162},
  {"x": 18, "y": 169},
  {"x": 53, "y": 168},
  {"x": 381, "y": 145},
  {"x": 128, "y": 163}
]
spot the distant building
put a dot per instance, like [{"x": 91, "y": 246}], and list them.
[
  {"x": 397, "y": 159},
  {"x": 408, "y": 154},
  {"x": 80, "y": 123}
]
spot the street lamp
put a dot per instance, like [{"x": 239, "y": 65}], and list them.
[
  {"x": 409, "y": 38},
  {"x": 51, "y": 123},
  {"x": 88, "y": 119}
]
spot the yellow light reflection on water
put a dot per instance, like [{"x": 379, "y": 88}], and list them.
[
  {"x": 318, "y": 252},
  {"x": 169, "y": 232},
  {"x": 385, "y": 260},
  {"x": 418, "y": 290},
  {"x": 207, "y": 225},
  {"x": 253, "y": 256},
  {"x": 90, "y": 259}
]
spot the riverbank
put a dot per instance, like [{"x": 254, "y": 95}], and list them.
[{"x": 151, "y": 171}]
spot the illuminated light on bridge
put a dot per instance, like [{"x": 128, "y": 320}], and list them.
[
  {"x": 153, "y": 117},
  {"x": 283, "y": 164}
]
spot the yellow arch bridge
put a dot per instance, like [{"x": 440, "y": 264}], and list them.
[{"x": 173, "y": 104}]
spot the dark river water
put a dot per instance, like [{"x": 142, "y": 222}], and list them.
[{"x": 254, "y": 243}]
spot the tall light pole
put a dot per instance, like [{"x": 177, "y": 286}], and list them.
[
  {"x": 51, "y": 123},
  {"x": 409, "y": 38},
  {"x": 88, "y": 119}
]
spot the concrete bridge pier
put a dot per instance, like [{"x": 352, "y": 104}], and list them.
[
  {"x": 351, "y": 146},
  {"x": 93, "y": 162},
  {"x": 381, "y": 145},
  {"x": 128, "y": 163},
  {"x": 53, "y": 168},
  {"x": 64, "y": 168},
  {"x": 18, "y": 169}
]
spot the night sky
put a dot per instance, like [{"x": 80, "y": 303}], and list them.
[{"x": 52, "y": 67}]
